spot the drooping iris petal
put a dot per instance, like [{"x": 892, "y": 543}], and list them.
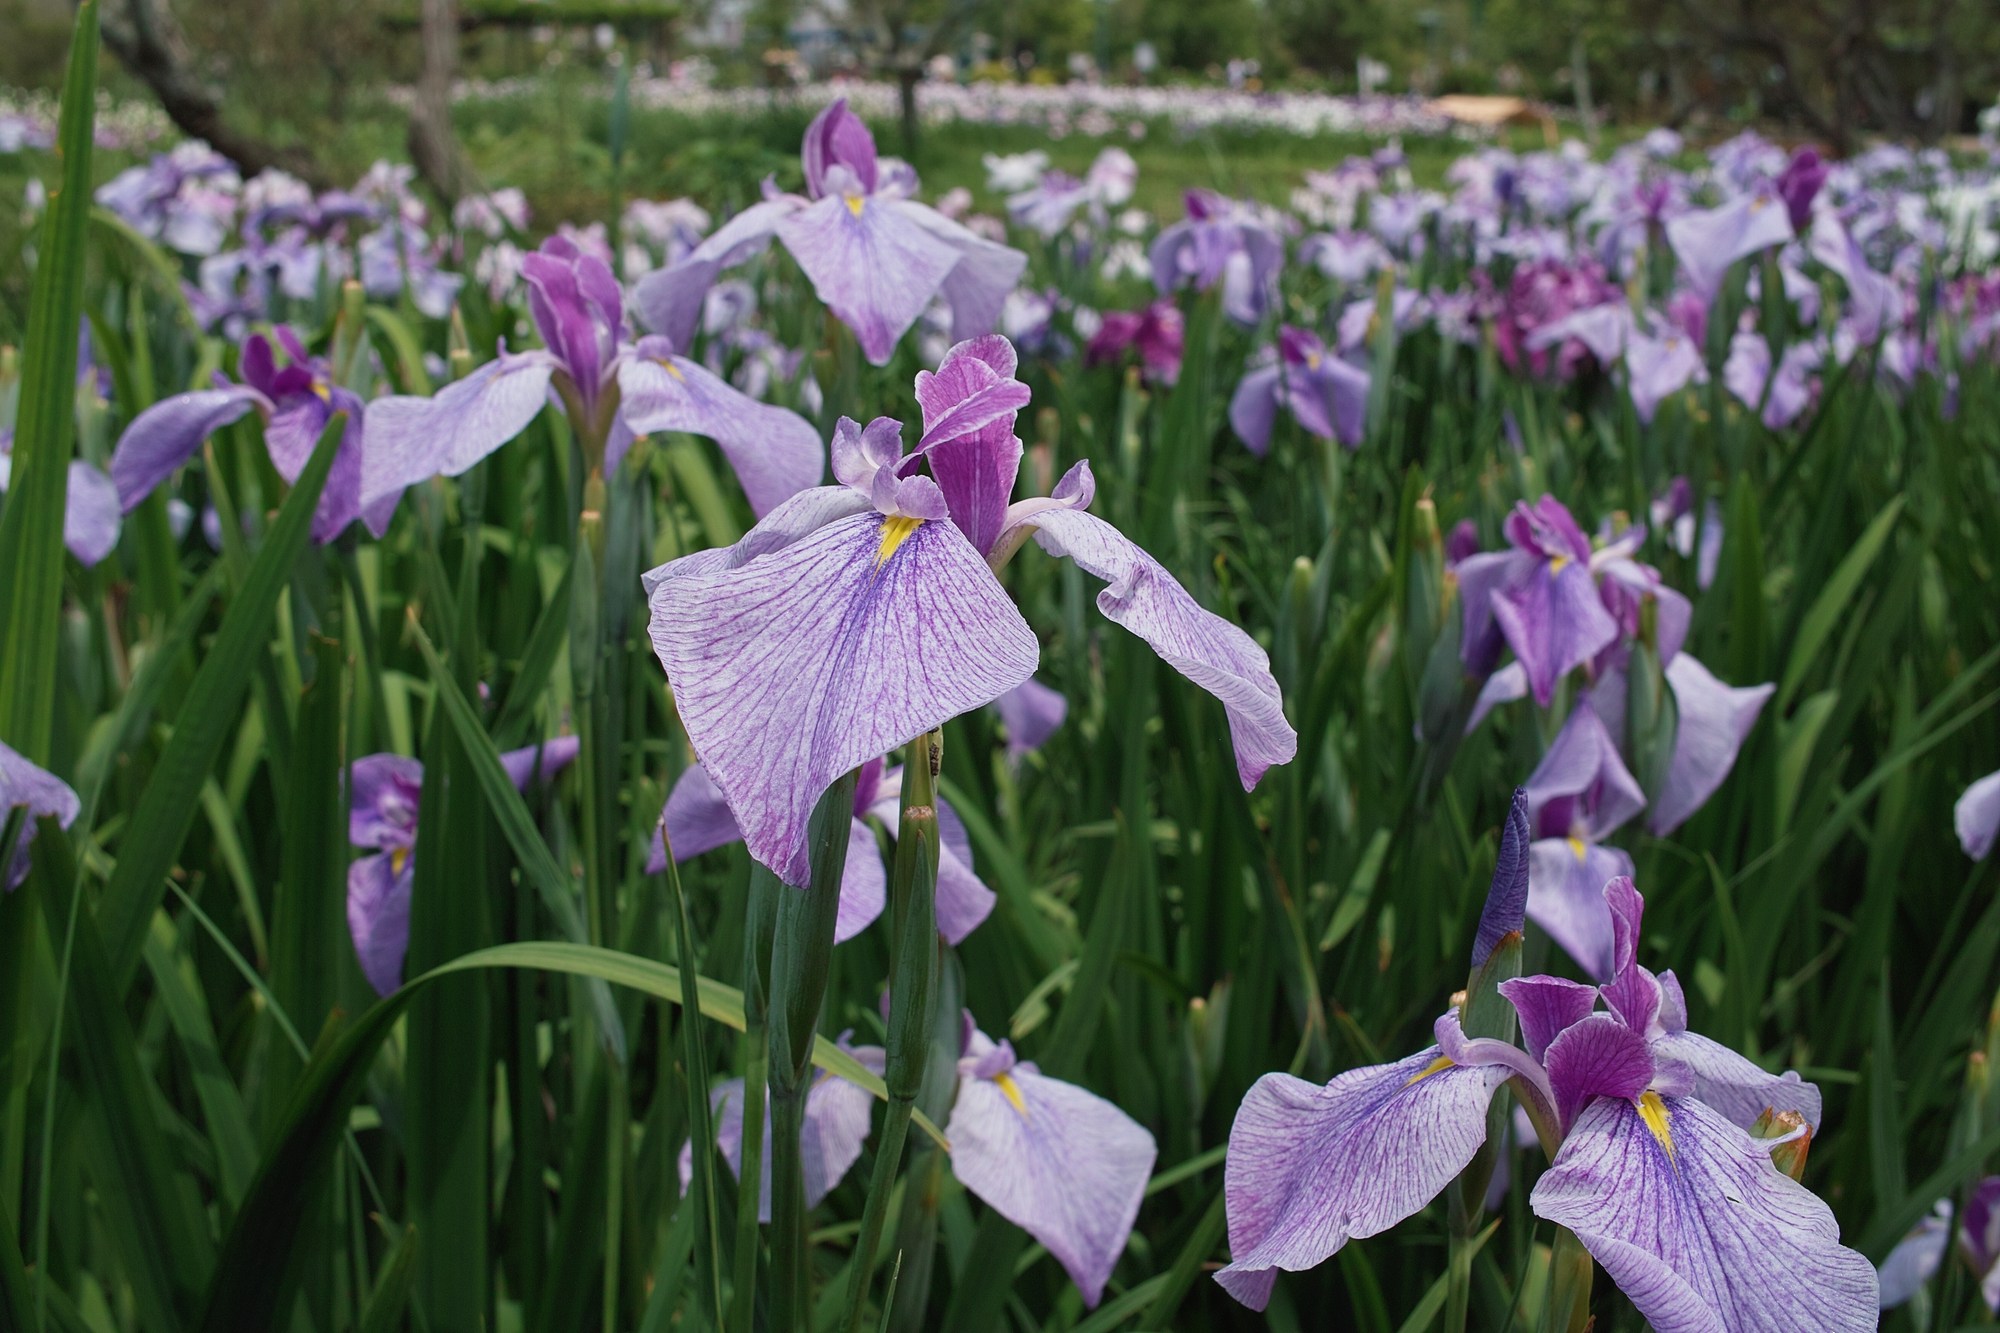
[
  {"x": 1714, "y": 720},
  {"x": 963, "y": 900},
  {"x": 870, "y": 264},
  {"x": 1597, "y": 1056},
  {"x": 41, "y": 794},
  {"x": 977, "y": 286},
  {"x": 670, "y": 299},
  {"x": 168, "y": 433},
  {"x": 1548, "y": 1006},
  {"x": 1976, "y": 816},
  {"x": 1708, "y": 241},
  {"x": 91, "y": 514},
  {"x": 795, "y": 519},
  {"x": 1140, "y": 595},
  {"x": 1701, "y": 1231},
  {"x": 1554, "y": 621},
  {"x": 1504, "y": 686},
  {"x": 1915, "y": 1260},
  {"x": 1582, "y": 787},
  {"x": 1064, "y": 1165},
  {"x": 378, "y": 915},
  {"x": 1253, "y": 410},
  {"x": 414, "y": 439},
  {"x": 539, "y": 763},
  {"x": 1310, "y": 1167},
  {"x": 799, "y": 665},
  {"x": 1658, "y": 368},
  {"x": 290, "y": 437},
  {"x": 1733, "y": 1085},
  {"x": 830, "y": 1141},
  {"x": 1031, "y": 712},
  {"x": 775, "y": 453}
]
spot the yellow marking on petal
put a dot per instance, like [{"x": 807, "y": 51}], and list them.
[
  {"x": 671, "y": 368},
  {"x": 895, "y": 531},
  {"x": 1576, "y": 849},
  {"x": 1556, "y": 563},
  {"x": 325, "y": 394},
  {"x": 1312, "y": 360},
  {"x": 1656, "y": 1115},
  {"x": 854, "y": 203},
  {"x": 1012, "y": 1092},
  {"x": 1437, "y": 1066},
  {"x": 398, "y": 859}
]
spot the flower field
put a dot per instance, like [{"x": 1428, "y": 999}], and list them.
[{"x": 1415, "y": 755}]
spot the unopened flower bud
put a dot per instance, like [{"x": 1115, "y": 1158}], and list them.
[{"x": 1791, "y": 1139}]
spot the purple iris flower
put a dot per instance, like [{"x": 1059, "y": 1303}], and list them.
[
  {"x": 1031, "y": 712},
  {"x": 611, "y": 392},
  {"x": 1579, "y": 795},
  {"x": 1538, "y": 598},
  {"x": 296, "y": 401},
  {"x": 1707, "y": 242},
  {"x": 1874, "y": 301},
  {"x": 39, "y": 794},
  {"x": 1324, "y": 394},
  {"x": 383, "y": 793},
  {"x": 1800, "y": 183},
  {"x": 856, "y": 616},
  {"x": 1349, "y": 258},
  {"x": 92, "y": 516},
  {"x": 1979, "y": 1238},
  {"x": 1652, "y": 1168},
  {"x": 1673, "y": 513},
  {"x": 1656, "y": 368},
  {"x": 1977, "y": 817},
  {"x": 1916, "y": 1258},
  {"x": 1221, "y": 241},
  {"x": 1747, "y": 373},
  {"x": 1048, "y": 205},
  {"x": 875, "y": 255},
  {"x": 1713, "y": 721},
  {"x": 698, "y": 820},
  {"x": 1159, "y": 333}
]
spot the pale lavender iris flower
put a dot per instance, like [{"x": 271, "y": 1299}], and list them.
[
  {"x": 296, "y": 400},
  {"x": 1579, "y": 795},
  {"x": 875, "y": 255},
  {"x": 1538, "y": 598},
  {"x": 857, "y": 616},
  {"x": 1653, "y": 1169},
  {"x": 92, "y": 516},
  {"x": 698, "y": 820},
  {"x": 383, "y": 793},
  {"x": 611, "y": 391},
  {"x": 1031, "y": 712},
  {"x": 1221, "y": 241},
  {"x": 1324, "y": 394},
  {"x": 1709, "y": 241},
  {"x": 1779, "y": 400},
  {"x": 1976, "y": 816},
  {"x": 37, "y": 794}
]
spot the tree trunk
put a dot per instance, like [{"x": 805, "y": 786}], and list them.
[
  {"x": 148, "y": 41},
  {"x": 432, "y": 146},
  {"x": 907, "y": 77}
]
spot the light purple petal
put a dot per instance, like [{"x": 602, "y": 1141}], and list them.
[
  {"x": 1310, "y": 1168},
  {"x": 383, "y": 790},
  {"x": 1553, "y": 619},
  {"x": 378, "y": 915},
  {"x": 874, "y": 267},
  {"x": 1707, "y": 1238},
  {"x": 1547, "y": 1006},
  {"x": 669, "y": 300},
  {"x": 168, "y": 433},
  {"x": 1916, "y": 1258},
  {"x": 864, "y": 885},
  {"x": 42, "y": 794},
  {"x": 775, "y": 453},
  {"x": 1597, "y": 1056},
  {"x": 1063, "y": 1164},
  {"x": 1566, "y": 878},
  {"x": 1208, "y": 650},
  {"x": 697, "y": 819},
  {"x": 91, "y": 514},
  {"x": 414, "y": 439},
  {"x": 795, "y": 519},
  {"x": 1253, "y": 411},
  {"x": 1734, "y": 1086},
  {"x": 1504, "y": 686},
  {"x": 799, "y": 665},
  {"x": 963, "y": 900},
  {"x": 969, "y": 406},
  {"x": 1714, "y": 720},
  {"x": 554, "y": 755},
  {"x": 1582, "y": 788},
  {"x": 1976, "y": 816},
  {"x": 830, "y": 1142},
  {"x": 837, "y": 137},
  {"x": 1031, "y": 712},
  {"x": 1708, "y": 241},
  {"x": 977, "y": 286}
]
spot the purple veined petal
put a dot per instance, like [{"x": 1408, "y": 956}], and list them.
[
  {"x": 775, "y": 453},
  {"x": 41, "y": 794},
  {"x": 1311, "y": 1168},
  {"x": 1553, "y": 619},
  {"x": 795, "y": 519},
  {"x": 1140, "y": 595},
  {"x": 963, "y": 900},
  {"x": 168, "y": 433},
  {"x": 1976, "y": 816},
  {"x": 577, "y": 309},
  {"x": 291, "y": 435},
  {"x": 1705, "y": 1236},
  {"x": 1714, "y": 720},
  {"x": 540, "y": 763},
  {"x": 969, "y": 407},
  {"x": 1507, "y": 896},
  {"x": 1548, "y": 1007},
  {"x": 378, "y": 915},
  {"x": 859, "y": 452},
  {"x": 837, "y": 137},
  {"x": 1915, "y": 1260},
  {"x": 1031, "y": 712},
  {"x": 830, "y": 1142},
  {"x": 1566, "y": 878},
  {"x": 411, "y": 440},
  {"x": 92, "y": 515},
  {"x": 669, "y": 300},
  {"x": 382, "y": 795},
  {"x": 1582, "y": 788},
  {"x": 977, "y": 286},
  {"x": 1708, "y": 241},
  {"x": 1064, "y": 1165},
  {"x": 1253, "y": 409},
  {"x": 801, "y": 664},
  {"x": 1628, "y": 913},
  {"x": 870, "y": 264},
  {"x": 1596, "y": 1057},
  {"x": 1504, "y": 686},
  {"x": 1733, "y": 1086}
]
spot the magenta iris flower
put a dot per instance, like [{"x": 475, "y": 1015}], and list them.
[
  {"x": 856, "y": 616},
  {"x": 611, "y": 391},
  {"x": 1324, "y": 394},
  {"x": 1158, "y": 333},
  {"x": 296, "y": 401},
  {"x": 698, "y": 820},
  {"x": 875, "y": 255},
  {"x": 1652, "y": 1166},
  {"x": 38, "y": 794},
  {"x": 383, "y": 793}
]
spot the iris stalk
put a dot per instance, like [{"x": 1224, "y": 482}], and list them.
[{"x": 759, "y": 920}]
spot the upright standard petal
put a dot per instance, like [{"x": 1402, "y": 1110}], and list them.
[
  {"x": 1064, "y": 1165},
  {"x": 1216, "y": 655},
  {"x": 870, "y": 264},
  {"x": 1566, "y": 879},
  {"x": 1582, "y": 788},
  {"x": 1714, "y": 720},
  {"x": 1311, "y": 1168},
  {"x": 830, "y": 1141},
  {"x": 1554, "y": 621},
  {"x": 382, "y": 795},
  {"x": 1976, "y": 816},
  {"x": 969, "y": 407},
  {"x": 1696, "y": 1226},
  {"x": 799, "y": 665},
  {"x": 1547, "y": 1006},
  {"x": 414, "y": 439},
  {"x": 168, "y": 433},
  {"x": 774, "y": 452}
]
